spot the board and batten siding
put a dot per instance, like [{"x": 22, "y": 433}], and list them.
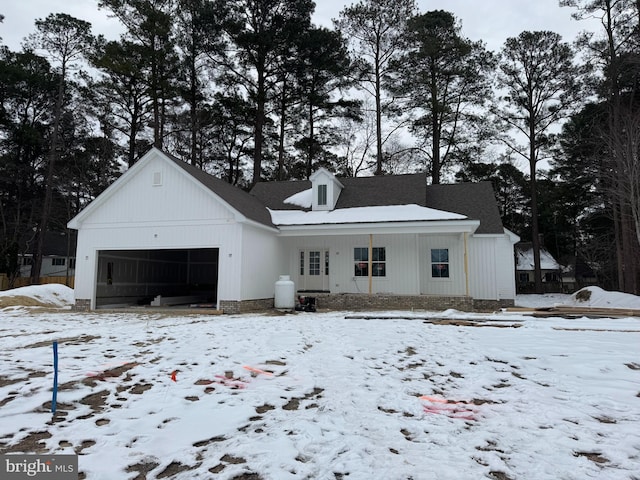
[
  {"x": 456, "y": 283},
  {"x": 491, "y": 267},
  {"x": 262, "y": 263},
  {"x": 401, "y": 266},
  {"x": 143, "y": 214}
]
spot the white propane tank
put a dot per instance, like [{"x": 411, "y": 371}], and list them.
[{"x": 285, "y": 294}]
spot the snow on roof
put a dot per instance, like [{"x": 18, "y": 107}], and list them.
[
  {"x": 389, "y": 213},
  {"x": 524, "y": 260},
  {"x": 302, "y": 199}
]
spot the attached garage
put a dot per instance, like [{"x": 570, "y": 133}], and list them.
[{"x": 162, "y": 277}]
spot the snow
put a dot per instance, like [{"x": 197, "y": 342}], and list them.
[
  {"x": 302, "y": 199},
  {"x": 340, "y": 396},
  {"x": 524, "y": 260},
  {"x": 388, "y": 213},
  {"x": 54, "y": 294},
  {"x": 586, "y": 297}
]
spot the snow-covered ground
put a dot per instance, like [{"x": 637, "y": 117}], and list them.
[{"x": 323, "y": 396}]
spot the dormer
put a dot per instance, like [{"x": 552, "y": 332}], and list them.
[{"x": 326, "y": 189}]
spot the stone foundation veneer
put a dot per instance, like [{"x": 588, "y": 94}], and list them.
[
  {"x": 358, "y": 301},
  {"x": 82, "y": 305},
  {"x": 242, "y": 306},
  {"x": 363, "y": 301}
]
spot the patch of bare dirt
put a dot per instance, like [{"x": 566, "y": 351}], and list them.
[
  {"x": 92, "y": 381},
  {"x": 21, "y": 301},
  {"x": 499, "y": 475},
  {"x": 32, "y": 443},
  {"x": 140, "y": 388},
  {"x": 174, "y": 468},
  {"x": 96, "y": 401},
  {"x": 142, "y": 469},
  {"x": 593, "y": 456},
  {"x": 204, "y": 443},
  {"x": 73, "y": 340},
  {"x": 4, "y": 381}
]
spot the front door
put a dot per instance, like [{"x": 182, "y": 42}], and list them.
[{"x": 314, "y": 270}]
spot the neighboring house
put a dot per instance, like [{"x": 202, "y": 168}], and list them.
[
  {"x": 577, "y": 274},
  {"x": 58, "y": 256},
  {"x": 168, "y": 229},
  {"x": 550, "y": 268}
]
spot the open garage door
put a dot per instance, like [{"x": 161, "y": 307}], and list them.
[{"x": 170, "y": 277}]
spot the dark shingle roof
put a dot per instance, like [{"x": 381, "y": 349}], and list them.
[
  {"x": 246, "y": 204},
  {"x": 474, "y": 200}
]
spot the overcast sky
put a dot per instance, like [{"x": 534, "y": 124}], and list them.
[{"x": 492, "y": 21}]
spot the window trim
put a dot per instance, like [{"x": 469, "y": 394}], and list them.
[
  {"x": 322, "y": 195},
  {"x": 361, "y": 262},
  {"x": 446, "y": 262}
]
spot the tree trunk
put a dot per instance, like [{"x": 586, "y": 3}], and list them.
[
  {"x": 259, "y": 126},
  {"x": 283, "y": 114},
  {"x": 535, "y": 233},
  {"x": 310, "y": 150},
  {"x": 48, "y": 195},
  {"x": 435, "y": 126},
  {"x": 378, "y": 89}
]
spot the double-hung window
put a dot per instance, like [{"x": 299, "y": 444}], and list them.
[
  {"x": 440, "y": 262},
  {"x": 378, "y": 262}
]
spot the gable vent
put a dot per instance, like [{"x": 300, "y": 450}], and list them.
[{"x": 157, "y": 179}]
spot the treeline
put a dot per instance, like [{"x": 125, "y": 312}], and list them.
[{"x": 252, "y": 90}]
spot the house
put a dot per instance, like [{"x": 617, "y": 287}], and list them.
[
  {"x": 166, "y": 229},
  {"x": 576, "y": 274},
  {"x": 58, "y": 256},
  {"x": 550, "y": 268}
]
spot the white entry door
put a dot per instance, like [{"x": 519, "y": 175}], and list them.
[{"x": 314, "y": 270}]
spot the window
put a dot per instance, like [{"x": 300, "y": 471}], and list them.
[
  {"x": 326, "y": 262},
  {"x": 301, "y": 263},
  {"x": 440, "y": 262},
  {"x": 58, "y": 261},
  {"x": 378, "y": 262},
  {"x": 322, "y": 194},
  {"x": 27, "y": 261},
  {"x": 314, "y": 263}
]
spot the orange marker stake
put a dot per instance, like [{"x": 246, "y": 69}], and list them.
[{"x": 173, "y": 375}]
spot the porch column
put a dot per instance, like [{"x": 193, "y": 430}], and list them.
[
  {"x": 370, "y": 263},
  {"x": 466, "y": 265}
]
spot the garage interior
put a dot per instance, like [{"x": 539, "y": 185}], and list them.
[{"x": 158, "y": 278}]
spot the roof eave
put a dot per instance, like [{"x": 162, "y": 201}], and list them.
[{"x": 399, "y": 227}]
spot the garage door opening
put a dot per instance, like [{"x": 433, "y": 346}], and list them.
[{"x": 164, "y": 277}]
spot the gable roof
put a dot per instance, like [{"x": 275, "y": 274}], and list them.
[
  {"x": 473, "y": 200},
  {"x": 524, "y": 258},
  {"x": 237, "y": 199},
  {"x": 246, "y": 204}
]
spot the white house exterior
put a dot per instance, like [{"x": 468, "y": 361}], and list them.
[{"x": 168, "y": 229}]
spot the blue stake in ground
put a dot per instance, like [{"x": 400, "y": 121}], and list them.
[{"x": 55, "y": 378}]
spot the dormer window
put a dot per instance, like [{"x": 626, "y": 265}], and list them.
[
  {"x": 325, "y": 188},
  {"x": 322, "y": 194}
]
